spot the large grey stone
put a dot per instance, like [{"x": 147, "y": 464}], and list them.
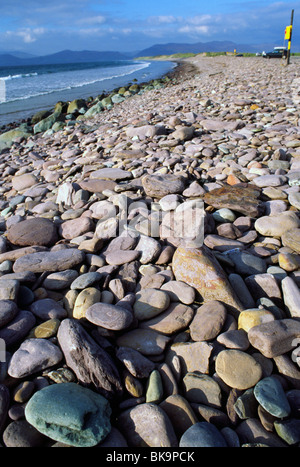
[
  {"x": 49, "y": 261},
  {"x": 32, "y": 356},
  {"x": 91, "y": 364}
]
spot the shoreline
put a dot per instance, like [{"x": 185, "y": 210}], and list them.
[{"x": 170, "y": 74}]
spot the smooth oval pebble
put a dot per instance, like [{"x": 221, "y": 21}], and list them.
[
  {"x": 33, "y": 355},
  {"x": 48, "y": 308},
  {"x": 85, "y": 280},
  {"x": 109, "y": 316},
  {"x": 271, "y": 396},
  {"x": 147, "y": 425},
  {"x": 149, "y": 303},
  {"x": 204, "y": 435},
  {"x": 238, "y": 369},
  {"x": 50, "y": 261}
]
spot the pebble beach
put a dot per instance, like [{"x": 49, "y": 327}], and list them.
[{"x": 150, "y": 264}]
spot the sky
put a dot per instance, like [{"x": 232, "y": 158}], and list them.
[{"x": 43, "y": 27}]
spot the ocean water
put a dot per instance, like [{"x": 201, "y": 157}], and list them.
[{"x": 28, "y": 89}]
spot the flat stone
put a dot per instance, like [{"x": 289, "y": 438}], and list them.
[
  {"x": 179, "y": 292},
  {"x": 70, "y": 413},
  {"x": 145, "y": 131},
  {"x": 60, "y": 280},
  {"x": 32, "y": 356},
  {"x": 238, "y": 369},
  {"x": 94, "y": 185},
  {"x": 202, "y": 389},
  {"x": 22, "y": 182},
  {"x": 49, "y": 261},
  {"x": 240, "y": 199},
  {"x": 275, "y": 337},
  {"x": 291, "y": 239},
  {"x": 111, "y": 174},
  {"x": 159, "y": 186},
  {"x": 75, "y": 227},
  {"x": 119, "y": 257},
  {"x": 91, "y": 364},
  {"x": 147, "y": 425},
  {"x": 269, "y": 180},
  {"x": 271, "y": 396},
  {"x": 149, "y": 303},
  {"x": 199, "y": 269},
  {"x": 145, "y": 341},
  {"x": 218, "y": 243},
  {"x": 202, "y": 434},
  {"x": 46, "y": 329},
  {"x": 277, "y": 225},
  {"x": 36, "y": 231},
  {"x": 108, "y": 316},
  {"x": 193, "y": 356},
  {"x": 136, "y": 363},
  {"x": 220, "y": 125},
  {"x": 234, "y": 339},
  {"x": 85, "y": 280},
  {"x": 47, "y": 308},
  {"x": 208, "y": 321},
  {"x": 174, "y": 319}
]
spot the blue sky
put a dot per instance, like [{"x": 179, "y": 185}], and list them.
[{"x": 48, "y": 26}]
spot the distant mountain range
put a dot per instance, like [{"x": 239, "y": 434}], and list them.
[
  {"x": 65, "y": 56},
  {"x": 69, "y": 56}
]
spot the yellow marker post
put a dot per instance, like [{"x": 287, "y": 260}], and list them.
[{"x": 288, "y": 36}]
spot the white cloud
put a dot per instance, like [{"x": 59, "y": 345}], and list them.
[
  {"x": 200, "y": 19},
  {"x": 195, "y": 30},
  {"x": 165, "y": 19},
  {"x": 92, "y": 20},
  {"x": 26, "y": 34}
]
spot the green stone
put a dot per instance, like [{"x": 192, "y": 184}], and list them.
[
  {"x": 288, "y": 430},
  {"x": 246, "y": 405},
  {"x": 271, "y": 396},
  {"x": 46, "y": 329},
  {"x": 70, "y": 414},
  {"x": 154, "y": 391}
]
